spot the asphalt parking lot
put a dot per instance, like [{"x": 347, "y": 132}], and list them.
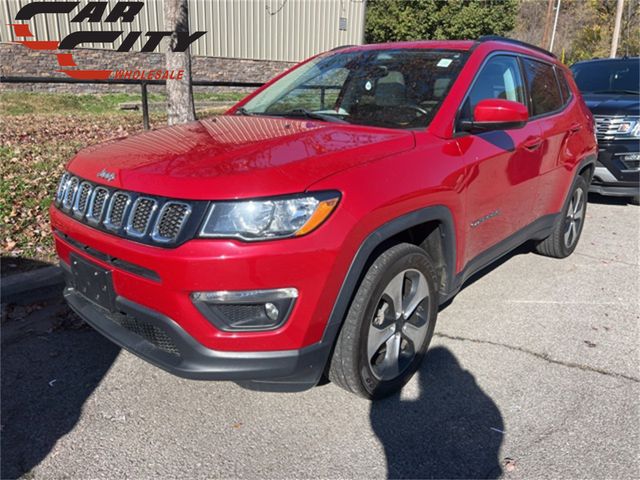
[{"x": 533, "y": 373}]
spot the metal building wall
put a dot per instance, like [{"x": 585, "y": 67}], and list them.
[{"x": 288, "y": 30}]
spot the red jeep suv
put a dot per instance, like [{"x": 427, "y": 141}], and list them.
[{"x": 315, "y": 228}]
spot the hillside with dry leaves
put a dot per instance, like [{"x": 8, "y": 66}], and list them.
[
  {"x": 33, "y": 152},
  {"x": 39, "y": 133}
]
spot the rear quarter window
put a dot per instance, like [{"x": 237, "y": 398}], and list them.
[
  {"x": 543, "y": 87},
  {"x": 564, "y": 86}
]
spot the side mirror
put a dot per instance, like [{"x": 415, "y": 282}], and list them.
[{"x": 496, "y": 114}]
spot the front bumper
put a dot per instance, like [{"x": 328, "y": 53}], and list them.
[
  {"x": 154, "y": 316},
  {"x": 163, "y": 279},
  {"x": 613, "y": 176},
  {"x": 162, "y": 342},
  {"x": 614, "y": 189}
]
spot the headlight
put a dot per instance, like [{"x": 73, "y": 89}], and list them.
[{"x": 270, "y": 218}]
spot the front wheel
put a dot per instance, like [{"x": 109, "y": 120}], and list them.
[
  {"x": 567, "y": 229},
  {"x": 389, "y": 325}
]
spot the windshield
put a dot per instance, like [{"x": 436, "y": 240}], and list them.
[
  {"x": 616, "y": 76},
  {"x": 386, "y": 88}
]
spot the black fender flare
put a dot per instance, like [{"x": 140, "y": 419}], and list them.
[
  {"x": 588, "y": 160},
  {"x": 439, "y": 213}
]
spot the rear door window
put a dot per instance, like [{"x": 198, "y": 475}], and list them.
[{"x": 544, "y": 91}]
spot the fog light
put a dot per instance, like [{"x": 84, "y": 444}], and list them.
[
  {"x": 272, "y": 311},
  {"x": 249, "y": 310}
]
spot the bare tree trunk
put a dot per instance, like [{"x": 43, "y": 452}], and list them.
[{"x": 179, "y": 92}]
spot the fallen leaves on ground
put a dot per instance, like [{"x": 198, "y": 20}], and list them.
[{"x": 33, "y": 152}]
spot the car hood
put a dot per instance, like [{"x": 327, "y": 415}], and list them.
[
  {"x": 609, "y": 104},
  {"x": 235, "y": 156}
]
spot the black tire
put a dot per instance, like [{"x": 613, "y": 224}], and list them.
[
  {"x": 350, "y": 366},
  {"x": 556, "y": 244},
  {"x": 635, "y": 200}
]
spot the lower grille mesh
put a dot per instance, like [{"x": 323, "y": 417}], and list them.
[
  {"x": 239, "y": 313},
  {"x": 148, "y": 331}
]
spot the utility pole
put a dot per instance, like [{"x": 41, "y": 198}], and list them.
[
  {"x": 555, "y": 26},
  {"x": 616, "y": 29},
  {"x": 547, "y": 24}
]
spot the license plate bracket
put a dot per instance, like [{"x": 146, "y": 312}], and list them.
[{"x": 93, "y": 282}]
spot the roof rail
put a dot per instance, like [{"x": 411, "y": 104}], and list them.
[
  {"x": 340, "y": 47},
  {"x": 498, "y": 38}
]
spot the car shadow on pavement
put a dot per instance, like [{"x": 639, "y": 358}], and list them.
[
  {"x": 46, "y": 380},
  {"x": 452, "y": 430},
  {"x": 10, "y": 265},
  {"x": 606, "y": 200}
]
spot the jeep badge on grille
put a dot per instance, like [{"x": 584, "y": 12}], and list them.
[{"x": 106, "y": 175}]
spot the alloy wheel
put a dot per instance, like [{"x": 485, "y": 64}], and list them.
[
  {"x": 575, "y": 216},
  {"x": 399, "y": 325}
]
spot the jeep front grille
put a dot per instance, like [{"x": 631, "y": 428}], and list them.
[
  {"x": 82, "y": 199},
  {"x": 172, "y": 218},
  {"x": 62, "y": 187},
  {"x": 143, "y": 218},
  {"x": 140, "y": 217},
  {"x": 70, "y": 192},
  {"x": 117, "y": 208},
  {"x": 97, "y": 205}
]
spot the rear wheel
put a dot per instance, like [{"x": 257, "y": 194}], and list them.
[
  {"x": 389, "y": 324},
  {"x": 568, "y": 227}
]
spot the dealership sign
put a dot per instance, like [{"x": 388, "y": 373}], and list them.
[{"x": 90, "y": 14}]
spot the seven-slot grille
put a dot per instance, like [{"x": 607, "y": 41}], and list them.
[
  {"x": 117, "y": 208},
  {"x": 607, "y": 127},
  {"x": 97, "y": 205},
  {"x": 172, "y": 218},
  {"x": 140, "y": 217},
  {"x": 82, "y": 199},
  {"x": 139, "y": 220},
  {"x": 70, "y": 192}
]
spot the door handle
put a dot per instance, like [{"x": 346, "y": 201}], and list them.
[
  {"x": 575, "y": 127},
  {"x": 533, "y": 144}
]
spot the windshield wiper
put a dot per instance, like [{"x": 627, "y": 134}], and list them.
[
  {"x": 245, "y": 112},
  {"x": 628, "y": 92},
  {"x": 303, "y": 112}
]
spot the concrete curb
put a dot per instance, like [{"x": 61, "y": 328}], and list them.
[{"x": 32, "y": 286}]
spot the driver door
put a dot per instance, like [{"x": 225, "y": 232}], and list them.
[{"x": 502, "y": 165}]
